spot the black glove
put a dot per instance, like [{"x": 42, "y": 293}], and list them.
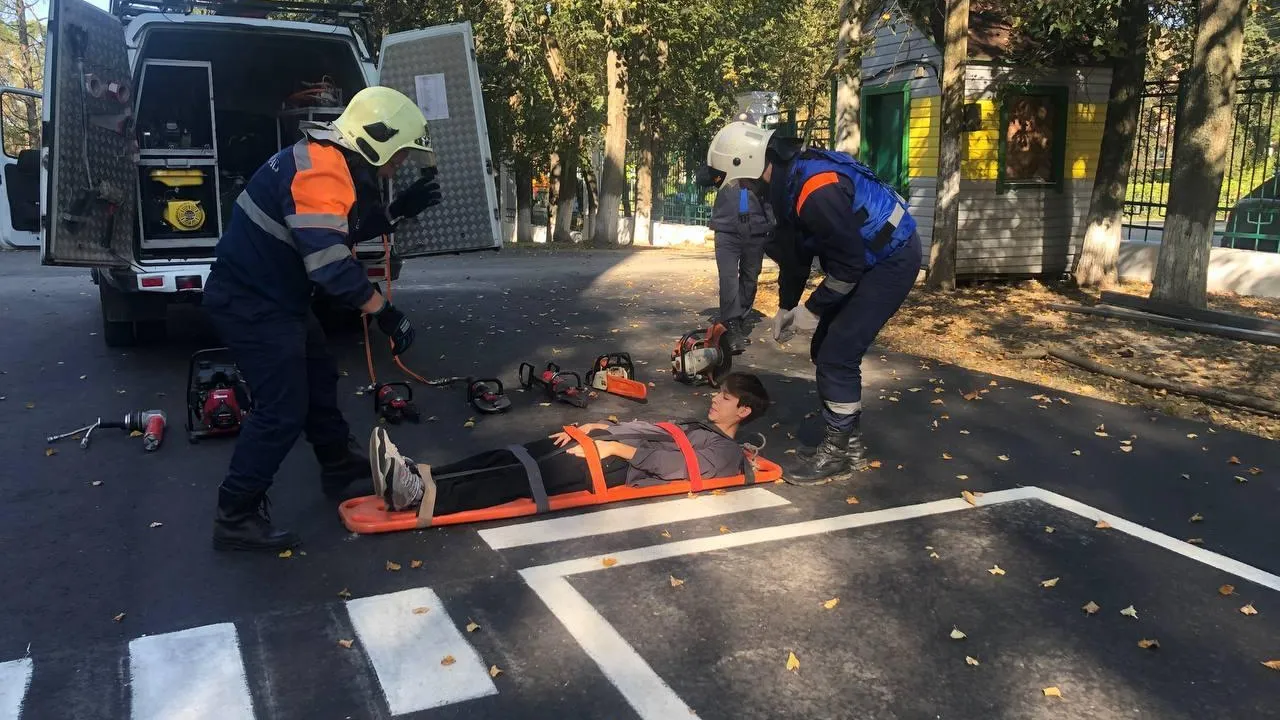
[
  {"x": 396, "y": 326},
  {"x": 422, "y": 194}
]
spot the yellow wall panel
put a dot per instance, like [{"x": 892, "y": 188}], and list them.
[{"x": 922, "y": 137}]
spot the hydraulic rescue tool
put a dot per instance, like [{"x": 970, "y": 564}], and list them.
[
  {"x": 488, "y": 396},
  {"x": 615, "y": 373},
  {"x": 393, "y": 402},
  {"x": 217, "y": 396},
  {"x": 702, "y": 355},
  {"x": 149, "y": 423},
  {"x": 563, "y": 385}
]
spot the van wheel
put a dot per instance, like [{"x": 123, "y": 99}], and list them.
[{"x": 118, "y": 334}]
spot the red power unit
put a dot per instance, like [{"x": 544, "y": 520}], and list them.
[{"x": 217, "y": 396}]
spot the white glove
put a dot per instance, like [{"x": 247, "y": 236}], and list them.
[{"x": 797, "y": 318}]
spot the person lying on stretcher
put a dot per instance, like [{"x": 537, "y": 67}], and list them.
[{"x": 635, "y": 453}]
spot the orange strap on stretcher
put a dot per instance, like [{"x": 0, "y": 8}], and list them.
[
  {"x": 594, "y": 464},
  {"x": 690, "y": 457}
]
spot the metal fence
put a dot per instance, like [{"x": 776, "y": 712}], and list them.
[{"x": 1248, "y": 215}]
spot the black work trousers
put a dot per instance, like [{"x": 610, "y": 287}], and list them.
[
  {"x": 505, "y": 479},
  {"x": 738, "y": 262}
]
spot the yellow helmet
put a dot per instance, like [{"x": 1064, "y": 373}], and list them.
[{"x": 379, "y": 122}]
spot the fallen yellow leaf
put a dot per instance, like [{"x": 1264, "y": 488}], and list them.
[
  {"x": 613, "y": 418},
  {"x": 971, "y": 396},
  {"x": 1255, "y": 471},
  {"x": 609, "y": 562},
  {"x": 50, "y": 452},
  {"x": 717, "y": 492},
  {"x": 666, "y": 534},
  {"x": 830, "y": 604},
  {"x": 1103, "y": 525},
  {"x": 119, "y": 617},
  {"x": 962, "y": 477},
  {"x": 934, "y": 555},
  {"x": 135, "y": 433},
  {"x": 1273, "y": 664},
  {"x": 447, "y": 660},
  {"x": 1052, "y": 692},
  {"x": 875, "y": 464},
  {"x": 393, "y": 567},
  {"x": 956, "y": 634},
  {"x": 724, "y": 529},
  {"x": 494, "y": 671},
  {"x": 156, "y": 525},
  {"x": 675, "y": 581},
  {"x": 470, "y": 423},
  {"x": 1091, "y": 607},
  {"x": 1226, "y": 590},
  {"x": 1003, "y": 457},
  {"x": 285, "y": 554},
  {"x": 851, "y": 500},
  {"x": 1241, "y": 479},
  {"x": 1048, "y": 528},
  {"x": 996, "y": 570},
  {"x": 946, "y": 456},
  {"x": 472, "y": 626},
  {"x": 415, "y": 564},
  {"x": 1233, "y": 460},
  {"x": 1075, "y": 452},
  {"x": 969, "y": 497},
  {"x": 937, "y": 402},
  {"x": 971, "y": 660},
  {"x": 344, "y": 593},
  {"x": 1195, "y": 518},
  {"x": 1196, "y": 541},
  {"x": 1050, "y": 582},
  {"x": 1149, "y": 644},
  {"x": 1249, "y": 609},
  {"x": 793, "y": 663},
  {"x": 1130, "y": 612},
  {"x": 346, "y": 643},
  {"x": 421, "y": 610},
  {"x": 1126, "y": 448}
]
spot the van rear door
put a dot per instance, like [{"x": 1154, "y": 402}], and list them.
[
  {"x": 437, "y": 67},
  {"x": 87, "y": 178}
]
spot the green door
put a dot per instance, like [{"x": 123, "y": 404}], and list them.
[{"x": 883, "y": 134}]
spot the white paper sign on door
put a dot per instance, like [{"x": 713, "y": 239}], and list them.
[{"x": 431, "y": 96}]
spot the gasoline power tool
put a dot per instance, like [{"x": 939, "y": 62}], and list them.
[
  {"x": 615, "y": 373},
  {"x": 217, "y": 396},
  {"x": 563, "y": 385},
  {"x": 702, "y": 356},
  {"x": 149, "y": 424},
  {"x": 393, "y": 402}
]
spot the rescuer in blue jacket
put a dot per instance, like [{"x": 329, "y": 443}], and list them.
[
  {"x": 863, "y": 235},
  {"x": 290, "y": 234}
]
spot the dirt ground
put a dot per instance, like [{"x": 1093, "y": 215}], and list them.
[{"x": 979, "y": 324}]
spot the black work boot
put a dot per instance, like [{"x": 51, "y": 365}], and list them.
[
  {"x": 341, "y": 463},
  {"x": 858, "y": 459},
  {"x": 829, "y": 462},
  {"x": 737, "y": 340},
  {"x": 244, "y": 523}
]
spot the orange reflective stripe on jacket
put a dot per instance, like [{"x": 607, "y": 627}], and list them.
[
  {"x": 812, "y": 184},
  {"x": 322, "y": 189}
]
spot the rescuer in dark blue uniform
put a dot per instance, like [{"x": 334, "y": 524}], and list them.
[
  {"x": 860, "y": 230},
  {"x": 290, "y": 233}
]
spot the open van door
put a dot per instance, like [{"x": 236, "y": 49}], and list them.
[
  {"x": 88, "y": 175},
  {"x": 20, "y": 167},
  {"x": 437, "y": 67}
]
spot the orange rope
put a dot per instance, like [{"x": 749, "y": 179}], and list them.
[{"x": 368, "y": 350}]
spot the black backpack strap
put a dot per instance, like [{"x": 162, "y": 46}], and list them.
[{"x": 537, "y": 489}]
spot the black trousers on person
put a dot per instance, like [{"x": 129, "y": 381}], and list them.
[{"x": 505, "y": 479}]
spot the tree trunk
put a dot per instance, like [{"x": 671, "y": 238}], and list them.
[
  {"x": 1200, "y": 150},
  {"x": 613, "y": 179},
  {"x": 590, "y": 201},
  {"x": 1097, "y": 261},
  {"x": 568, "y": 193},
  {"x": 524, "y": 204},
  {"x": 946, "y": 218},
  {"x": 553, "y": 192},
  {"x": 642, "y": 229},
  {"x": 847, "y": 134}
]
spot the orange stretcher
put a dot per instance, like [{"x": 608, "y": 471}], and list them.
[{"x": 369, "y": 514}]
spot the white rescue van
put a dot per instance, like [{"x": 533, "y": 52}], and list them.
[{"x": 158, "y": 112}]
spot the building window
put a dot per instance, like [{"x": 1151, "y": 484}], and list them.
[{"x": 1033, "y": 128}]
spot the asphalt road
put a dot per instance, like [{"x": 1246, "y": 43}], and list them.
[{"x": 202, "y": 631}]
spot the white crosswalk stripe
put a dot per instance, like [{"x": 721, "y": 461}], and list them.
[
  {"x": 15, "y": 677},
  {"x": 631, "y": 517},
  {"x": 194, "y": 674},
  {"x": 421, "y": 659}
]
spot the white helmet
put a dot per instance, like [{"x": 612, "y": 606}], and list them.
[
  {"x": 379, "y": 122},
  {"x": 738, "y": 150}
]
